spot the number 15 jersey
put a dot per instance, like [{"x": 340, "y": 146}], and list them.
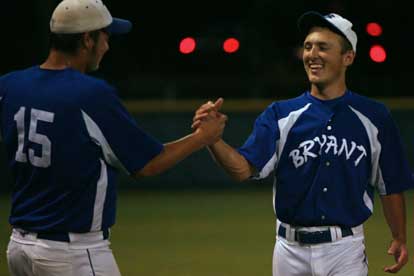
[{"x": 66, "y": 136}]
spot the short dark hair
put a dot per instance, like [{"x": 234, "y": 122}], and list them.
[
  {"x": 345, "y": 45},
  {"x": 69, "y": 43}
]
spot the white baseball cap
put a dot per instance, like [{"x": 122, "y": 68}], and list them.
[
  {"x": 333, "y": 21},
  {"x": 79, "y": 16}
]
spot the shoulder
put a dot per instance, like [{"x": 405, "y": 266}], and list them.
[
  {"x": 13, "y": 78},
  {"x": 15, "y": 74},
  {"x": 91, "y": 91},
  {"x": 372, "y": 112},
  {"x": 285, "y": 107},
  {"x": 97, "y": 96},
  {"x": 91, "y": 85},
  {"x": 368, "y": 107}
]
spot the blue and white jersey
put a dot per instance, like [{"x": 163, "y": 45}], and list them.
[
  {"x": 327, "y": 158},
  {"x": 67, "y": 135}
]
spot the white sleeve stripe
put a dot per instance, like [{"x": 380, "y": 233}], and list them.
[
  {"x": 286, "y": 124},
  {"x": 268, "y": 168},
  {"x": 101, "y": 188},
  {"x": 98, "y": 137},
  {"x": 372, "y": 132},
  {"x": 368, "y": 202},
  {"x": 274, "y": 195}
]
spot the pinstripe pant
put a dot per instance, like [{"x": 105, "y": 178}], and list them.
[
  {"x": 51, "y": 258},
  {"x": 340, "y": 258}
]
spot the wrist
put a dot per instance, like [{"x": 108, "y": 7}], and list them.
[
  {"x": 199, "y": 139},
  {"x": 400, "y": 239},
  {"x": 216, "y": 143}
]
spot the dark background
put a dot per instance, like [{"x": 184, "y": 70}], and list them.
[
  {"x": 147, "y": 64},
  {"x": 186, "y": 231}
]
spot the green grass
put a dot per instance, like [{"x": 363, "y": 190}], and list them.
[{"x": 209, "y": 233}]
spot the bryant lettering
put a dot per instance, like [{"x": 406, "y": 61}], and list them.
[{"x": 308, "y": 149}]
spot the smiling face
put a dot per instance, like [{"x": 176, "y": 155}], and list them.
[{"x": 325, "y": 59}]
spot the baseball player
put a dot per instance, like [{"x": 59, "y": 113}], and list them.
[
  {"x": 328, "y": 150},
  {"x": 67, "y": 135}
]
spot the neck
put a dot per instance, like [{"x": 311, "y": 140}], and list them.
[
  {"x": 328, "y": 92},
  {"x": 58, "y": 60}
]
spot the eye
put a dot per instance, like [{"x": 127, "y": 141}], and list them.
[{"x": 323, "y": 47}]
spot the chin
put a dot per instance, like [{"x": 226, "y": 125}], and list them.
[
  {"x": 313, "y": 79},
  {"x": 93, "y": 68}
]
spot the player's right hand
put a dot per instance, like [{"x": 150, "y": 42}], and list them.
[
  {"x": 204, "y": 110},
  {"x": 211, "y": 126}
]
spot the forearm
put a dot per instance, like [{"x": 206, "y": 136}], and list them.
[
  {"x": 394, "y": 211},
  {"x": 172, "y": 154},
  {"x": 233, "y": 162}
]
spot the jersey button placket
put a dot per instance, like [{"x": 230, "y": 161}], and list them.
[
  {"x": 329, "y": 124},
  {"x": 327, "y": 163}
]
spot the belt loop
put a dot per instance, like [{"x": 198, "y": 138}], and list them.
[
  {"x": 292, "y": 233},
  {"x": 277, "y": 226},
  {"x": 357, "y": 229},
  {"x": 289, "y": 231},
  {"x": 336, "y": 233}
]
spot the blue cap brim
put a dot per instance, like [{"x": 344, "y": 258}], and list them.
[
  {"x": 312, "y": 19},
  {"x": 119, "y": 26}
]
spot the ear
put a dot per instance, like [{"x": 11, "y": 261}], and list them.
[
  {"x": 349, "y": 57},
  {"x": 87, "y": 41}
]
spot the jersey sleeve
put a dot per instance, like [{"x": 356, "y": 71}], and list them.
[
  {"x": 110, "y": 125},
  {"x": 396, "y": 176},
  {"x": 260, "y": 147}
]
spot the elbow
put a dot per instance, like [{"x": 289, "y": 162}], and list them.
[
  {"x": 240, "y": 173},
  {"x": 240, "y": 177},
  {"x": 145, "y": 172}
]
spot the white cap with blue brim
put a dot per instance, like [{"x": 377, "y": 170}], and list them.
[
  {"x": 334, "y": 21},
  {"x": 79, "y": 16}
]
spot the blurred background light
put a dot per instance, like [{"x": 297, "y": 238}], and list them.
[
  {"x": 231, "y": 45},
  {"x": 374, "y": 29},
  {"x": 187, "y": 45},
  {"x": 377, "y": 53}
]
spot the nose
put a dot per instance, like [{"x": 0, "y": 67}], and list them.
[{"x": 313, "y": 52}]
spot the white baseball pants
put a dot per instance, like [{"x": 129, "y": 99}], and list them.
[
  {"x": 341, "y": 257},
  {"x": 29, "y": 256}
]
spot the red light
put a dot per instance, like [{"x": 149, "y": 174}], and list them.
[
  {"x": 374, "y": 29},
  {"x": 231, "y": 45},
  {"x": 377, "y": 53},
  {"x": 187, "y": 45}
]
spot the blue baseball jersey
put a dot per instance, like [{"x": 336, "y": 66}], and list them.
[
  {"x": 67, "y": 135},
  {"x": 327, "y": 158}
]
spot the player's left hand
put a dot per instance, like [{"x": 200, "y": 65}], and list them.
[
  {"x": 204, "y": 111},
  {"x": 399, "y": 250}
]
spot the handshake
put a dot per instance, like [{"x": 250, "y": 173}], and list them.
[{"x": 209, "y": 123}]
